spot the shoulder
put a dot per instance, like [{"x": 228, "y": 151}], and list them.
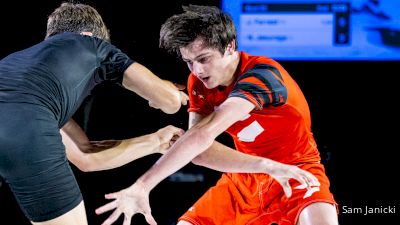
[
  {"x": 66, "y": 36},
  {"x": 257, "y": 62},
  {"x": 261, "y": 67},
  {"x": 70, "y": 37}
]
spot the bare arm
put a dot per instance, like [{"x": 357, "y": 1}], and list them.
[
  {"x": 225, "y": 159},
  {"x": 103, "y": 155},
  {"x": 161, "y": 94},
  {"x": 194, "y": 142},
  {"x": 222, "y": 158}
]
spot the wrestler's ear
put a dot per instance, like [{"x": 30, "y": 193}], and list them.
[
  {"x": 87, "y": 33},
  {"x": 230, "y": 48}
]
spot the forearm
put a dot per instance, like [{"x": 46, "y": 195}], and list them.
[
  {"x": 115, "y": 156},
  {"x": 195, "y": 141},
  {"x": 181, "y": 153},
  {"x": 225, "y": 159},
  {"x": 160, "y": 93}
]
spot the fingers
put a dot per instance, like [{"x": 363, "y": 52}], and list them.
[
  {"x": 305, "y": 178},
  {"x": 169, "y": 129},
  {"x": 174, "y": 138},
  {"x": 107, "y": 207},
  {"x": 178, "y": 132},
  {"x": 287, "y": 188},
  {"x": 310, "y": 179},
  {"x": 112, "y": 218},
  {"x": 184, "y": 98},
  {"x": 180, "y": 87},
  {"x": 301, "y": 186},
  {"x": 168, "y": 136},
  {"x": 175, "y": 130},
  {"x": 127, "y": 220},
  {"x": 149, "y": 218}
]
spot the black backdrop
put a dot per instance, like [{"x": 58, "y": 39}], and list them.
[{"x": 353, "y": 107}]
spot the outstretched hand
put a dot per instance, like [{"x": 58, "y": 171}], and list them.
[
  {"x": 129, "y": 201},
  {"x": 282, "y": 173}
]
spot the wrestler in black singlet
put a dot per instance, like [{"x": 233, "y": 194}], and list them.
[{"x": 41, "y": 87}]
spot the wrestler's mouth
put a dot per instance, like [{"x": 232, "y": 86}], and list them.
[{"x": 205, "y": 79}]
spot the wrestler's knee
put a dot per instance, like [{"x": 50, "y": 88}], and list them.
[
  {"x": 319, "y": 213},
  {"x": 182, "y": 222}
]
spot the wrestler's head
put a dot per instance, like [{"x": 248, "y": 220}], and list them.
[{"x": 77, "y": 18}]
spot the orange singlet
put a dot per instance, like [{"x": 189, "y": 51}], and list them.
[{"x": 279, "y": 128}]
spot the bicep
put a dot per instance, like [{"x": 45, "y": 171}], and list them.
[{"x": 138, "y": 79}]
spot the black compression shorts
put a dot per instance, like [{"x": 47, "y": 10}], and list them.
[{"x": 33, "y": 162}]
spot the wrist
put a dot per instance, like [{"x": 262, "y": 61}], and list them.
[
  {"x": 270, "y": 166},
  {"x": 156, "y": 139},
  {"x": 141, "y": 185}
]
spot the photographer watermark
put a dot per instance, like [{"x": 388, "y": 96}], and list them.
[{"x": 368, "y": 210}]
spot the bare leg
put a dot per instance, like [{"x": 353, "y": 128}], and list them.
[
  {"x": 182, "y": 222},
  {"x": 319, "y": 213},
  {"x": 76, "y": 216}
]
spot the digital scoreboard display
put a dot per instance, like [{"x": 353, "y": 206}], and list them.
[{"x": 318, "y": 30}]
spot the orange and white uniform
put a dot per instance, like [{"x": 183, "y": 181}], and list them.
[{"x": 279, "y": 128}]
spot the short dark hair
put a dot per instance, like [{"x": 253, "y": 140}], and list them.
[
  {"x": 77, "y": 18},
  {"x": 214, "y": 27}
]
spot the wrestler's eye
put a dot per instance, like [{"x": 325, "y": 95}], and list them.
[
  {"x": 203, "y": 60},
  {"x": 189, "y": 62}
]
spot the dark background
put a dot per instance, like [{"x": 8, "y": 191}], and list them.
[{"x": 353, "y": 107}]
